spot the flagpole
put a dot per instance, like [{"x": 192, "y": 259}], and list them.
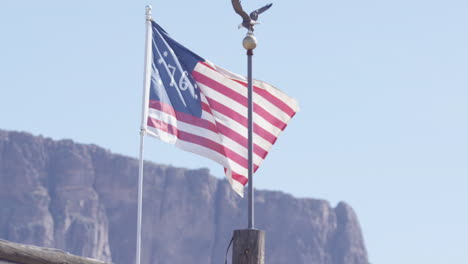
[
  {"x": 250, "y": 140},
  {"x": 144, "y": 114},
  {"x": 249, "y": 44},
  {"x": 249, "y": 244}
]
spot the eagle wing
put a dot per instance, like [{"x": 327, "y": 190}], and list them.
[
  {"x": 236, "y": 4},
  {"x": 254, "y": 14}
]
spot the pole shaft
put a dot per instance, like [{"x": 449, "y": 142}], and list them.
[
  {"x": 144, "y": 114},
  {"x": 140, "y": 199},
  {"x": 250, "y": 138}
]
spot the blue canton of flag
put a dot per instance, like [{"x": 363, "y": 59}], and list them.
[{"x": 171, "y": 68}]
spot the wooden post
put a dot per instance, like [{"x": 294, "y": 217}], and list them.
[{"x": 248, "y": 247}]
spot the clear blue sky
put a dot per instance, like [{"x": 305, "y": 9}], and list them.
[{"x": 382, "y": 85}]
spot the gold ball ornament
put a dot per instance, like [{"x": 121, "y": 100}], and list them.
[{"x": 249, "y": 42}]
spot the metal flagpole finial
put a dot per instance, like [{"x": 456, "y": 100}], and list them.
[
  {"x": 249, "y": 42},
  {"x": 148, "y": 12}
]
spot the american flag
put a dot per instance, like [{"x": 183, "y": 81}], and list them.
[{"x": 202, "y": 108}]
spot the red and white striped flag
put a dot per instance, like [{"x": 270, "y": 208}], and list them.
[{"x": 202, "y": 108}]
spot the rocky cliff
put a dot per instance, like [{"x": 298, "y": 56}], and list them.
[{"x": 82, "y": 199}]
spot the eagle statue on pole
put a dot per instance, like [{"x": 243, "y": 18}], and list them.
[{"x": 248, "y": 21}]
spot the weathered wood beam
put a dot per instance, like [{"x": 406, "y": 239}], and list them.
[
  {"x": 248, "y": 247},
  {"x": 26, "y": 254}
]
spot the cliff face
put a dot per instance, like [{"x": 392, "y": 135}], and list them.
[{"x": 82, "y": 199}]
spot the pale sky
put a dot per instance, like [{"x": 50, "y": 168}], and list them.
[{"x": 382, "y": 86}]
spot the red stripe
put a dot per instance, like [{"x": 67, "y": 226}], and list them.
[
  {"x": 239, "y": 178},
  {"x": 186, "y": 118},
  {"x": 207, "y": 65},
  {"x": 271, "y": 98},
  {"x": 185, "y": 136},
  {"x": 223, "y": 109},
  {"x": 163, "y": 126},
  {"x": 206, "y": 107},
  {"x": 232, "y": 134},
  {"x": 264, "y": 93},
  {"x": 239, "y": 98},
  {"x": 162, "y": 107},
  {"x": 242, "y": 179},
  {"x": 270, "y": 118},
  {"x": 218, "y": 128},
  {"x": 202, "y": 141},
  {"x": 274, "y": 100}
]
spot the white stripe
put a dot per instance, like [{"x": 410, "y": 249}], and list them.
[
  {"x": 291, "y": 102},
  {"x": 242, "y": 130},
  {"x": 166, "y": 118},
  {"x": 236, "y": 107},
  {"x": 202, "y": 132},
  {"x": 186, "y": 127},
  {"x": 171, "y": 119},
  {"x": 211, "y": 154},
  {"x": 239, "y": 149},
  {"x": 237, "y": 187},
  {"x": 224, "y": 120},
  {"x": 162, "y": 135},
  {"x": 162, "y": 116},
  {"x": 241, "y": 89},
  {"x": 206, "y": 133}
]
